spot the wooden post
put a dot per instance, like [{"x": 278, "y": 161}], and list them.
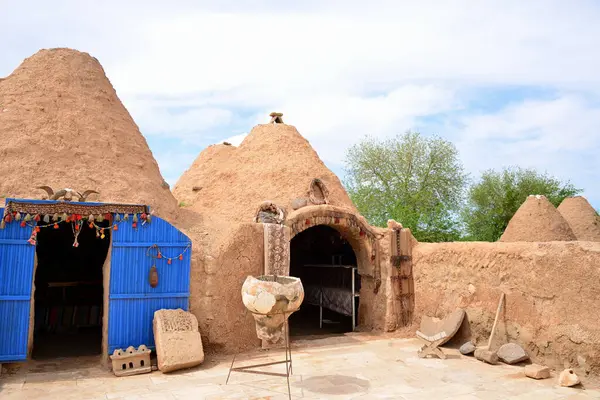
[{"x": 496, "y": 321}]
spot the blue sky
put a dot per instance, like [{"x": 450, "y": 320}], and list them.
[{"x": 510, "y": 83}]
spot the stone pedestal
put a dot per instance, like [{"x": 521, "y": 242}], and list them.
[{"x": 272, "y": 299}]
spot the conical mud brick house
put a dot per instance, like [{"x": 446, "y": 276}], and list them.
[
  {"x": 273, "y": 188},
  {"x": 537, "y": 220},
  {"x": 71, "y": 264},
  {"x": 582, "y": 218}
]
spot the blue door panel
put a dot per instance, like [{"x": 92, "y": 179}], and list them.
[
  {"x": 130, "y": 320},
  {"x": 16, "y": 275},
  {"x": 132, "y": 300}
]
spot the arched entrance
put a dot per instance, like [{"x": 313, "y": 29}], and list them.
[{"x": 328, "y": 267}]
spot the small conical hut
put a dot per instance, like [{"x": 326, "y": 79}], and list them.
[
  {"x": 537, "y": 220},
  {"x": 581, "y": 217},
  {"x": 64, "y": 126},
  {"x": 258, "y": 204}
]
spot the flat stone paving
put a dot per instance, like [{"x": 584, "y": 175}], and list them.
[{"x": 350, "y": 367}]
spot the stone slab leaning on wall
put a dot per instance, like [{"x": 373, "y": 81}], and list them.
[{"x": 178, "y": 342}]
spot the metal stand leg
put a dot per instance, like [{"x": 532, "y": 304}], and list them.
[{"x": 288, "y": 362}]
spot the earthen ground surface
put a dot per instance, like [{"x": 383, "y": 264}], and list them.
[{"x": 350, "y": 367}]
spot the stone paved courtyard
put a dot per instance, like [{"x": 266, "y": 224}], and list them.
[{"x": 351, "y": 367}]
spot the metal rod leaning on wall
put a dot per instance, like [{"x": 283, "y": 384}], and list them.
[{"x": 496, "y": 320}]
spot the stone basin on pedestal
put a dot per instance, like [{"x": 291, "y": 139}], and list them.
[{"x": 272, "y": 299}]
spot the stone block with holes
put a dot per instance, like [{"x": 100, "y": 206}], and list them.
[
  {"x": 131, "y": 361},
  {"x": 178, "y": 342}
]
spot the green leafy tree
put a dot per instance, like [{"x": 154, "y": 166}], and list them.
[
  {"x": 416, "y": 180},
  {"x": 493, "y": 201}
]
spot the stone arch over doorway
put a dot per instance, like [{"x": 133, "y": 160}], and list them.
[{"x": 354, "y": 228}]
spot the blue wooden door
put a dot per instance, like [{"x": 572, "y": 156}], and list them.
[
  {"x": 132, "y": 299},
  {"x": 17, "y": 257}
]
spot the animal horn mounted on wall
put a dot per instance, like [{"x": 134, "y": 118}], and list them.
[
  {"x": 48, "y": 190},
  {"x": 84, "y": 196}
]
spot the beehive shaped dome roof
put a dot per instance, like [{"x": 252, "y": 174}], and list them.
[
  {"x": 226, "y": 184},
  {"x": 537, "y": 220},
  {"x": 581, "y": 217},
  {"x": 63, "y": 126}
]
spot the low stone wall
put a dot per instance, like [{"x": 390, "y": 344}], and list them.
[{"x": 552, "y": 292}]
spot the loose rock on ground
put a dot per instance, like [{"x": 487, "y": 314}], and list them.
[{"x": 512, "y": 353}]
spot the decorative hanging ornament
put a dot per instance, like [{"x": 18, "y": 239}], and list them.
[
  {"x": 23, "y": 224},
  {"x": 8, "y": 218},
  {"x": 37, "y": 229},
  {"x": 135, "y": 218},
  {"x": 18, "y": 216},
  {"x": 102, "y": 236},
  {"x": 180, "y": 257},
  {"x": 47, "y": 219},
  {"x": 144, "y": 216},
  {"x": 134, "y": 225},
  {"x": 91, "y": 225},
  {"x": 169, "y": 261},
  {"x": 64, "y": 217},
  {"x": 153, "y": 277},
  {"x": 91, "y": 218},
  {"x": 2, "y": 224},
  {"x": 55, "y": 226},
  {"x": 125, "y": 217},
  {"x": 149, "y": 218},
  {"x": 37, "y": 218},
  {"x": 118, "y": 217},
  {"x": 55, "y": 217},
  {"x": 159, "y": 255},
  {"x": 115, "y": 227},
  {"x": 27, "y": 218},
  {"x": 100, "y": 218}
]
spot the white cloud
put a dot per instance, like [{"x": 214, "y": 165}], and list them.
[
  {"x": 559, "y": 136},
  {"x": 338, "y": 70}
]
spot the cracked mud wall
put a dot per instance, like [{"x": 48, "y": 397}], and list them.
[
  {"x": 552, "y": 291},
  {"x": 215, "y": 289}
]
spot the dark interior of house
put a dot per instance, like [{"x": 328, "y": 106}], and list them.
[
  {"x": 69, "y": 291},
  {"x": 325, "y": 262}
]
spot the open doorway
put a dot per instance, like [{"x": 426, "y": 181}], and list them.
[
  {"x": 327, "y": 266},
  {"x": 68, "y": 295}
]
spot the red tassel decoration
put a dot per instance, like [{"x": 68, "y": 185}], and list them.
[
  {"x": 134, "y": 224},
  {"x": 76, "y": 227},
  {"x": 169, "y": 261},
  {"x": 115, "y": 228},
  {"x": 23, "y": 224},
  {"x": 8, "y": 218},
  {"x": 180, "y": 257},
  {"x": 159, "y": 255},
  {"x": 37, "y": 229},
  {"x": 55, "y": 226},
  {"x": 91, "y": 225},
  {"x": 37, "y": 218}
]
